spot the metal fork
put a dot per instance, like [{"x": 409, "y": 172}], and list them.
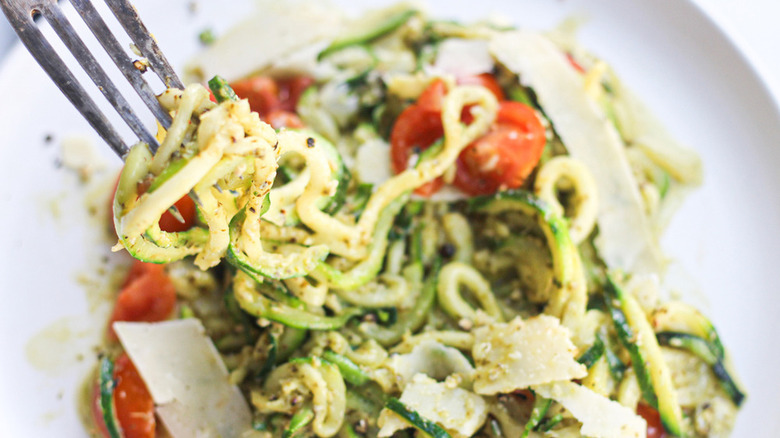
[{"x": 21, "y": 15}]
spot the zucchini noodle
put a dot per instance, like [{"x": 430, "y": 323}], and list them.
[
  {"x": 410, "y": 254},
  {"x": 585, "y": 201},
  {"x": 452, "y": 277},
  {"x": 459, "y": 233},
  {"x": 322, "y": 380}
]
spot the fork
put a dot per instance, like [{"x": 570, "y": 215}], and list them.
[{"x": 21, "y": 14}]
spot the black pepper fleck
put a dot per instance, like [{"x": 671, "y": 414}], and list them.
[
  {"x": 447, "y": 250},
  {"x": 310, "y": 142}
]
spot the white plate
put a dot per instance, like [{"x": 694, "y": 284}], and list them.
[{"x": 671, "y": 53}]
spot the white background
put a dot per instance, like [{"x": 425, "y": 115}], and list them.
[{"x": 752, "y": 24}]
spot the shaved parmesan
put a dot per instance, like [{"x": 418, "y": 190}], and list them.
[
  {"x": 432, "y": 359},
  {"x": 626, "y": 240},
  {"x": 518, "y": 354},
  {"x": 600, "y": 416},
  {"x": 186, "y": 378},
  {"x": 460, "y": 412},
  {"x": 276, "y": 30},
  {"x": 463, "y": 57}
]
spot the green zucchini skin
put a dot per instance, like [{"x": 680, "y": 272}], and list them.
[
  {"x": 592, "y": 354},
  {"x": 555, "y": 229},
  {"x": 166, "y": 174},
  {"x": 616, "y": 366},
  {"x": 369, "y": 32},
  {"x": 263, "y": 307},
  {"x": 541, "y": 406},
  {"x": 236, "y": 257},
  {"x": 549, "y": 423},
  {"x": 627, "y": 337},
  {"x": 289, "y": 341},
  {"x": 348, "y": 431},
  {"x": 299, "y": 420},
  {"x": 367, "y": 269},
  {"x": 107, "y": 386},
  {"x": 270, "y": 358},
  {"x": 553, "y": 226},
  {"x": 221, "y": 90},
  {"x": 412, "y": 319},
  {"x": 350, "y": 371},
  {"x": 710, "y": 354},
  {"x": 415, "y": 419},
  {"x": 656, "y": 393}
]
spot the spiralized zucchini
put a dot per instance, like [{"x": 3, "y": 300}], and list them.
[{"x": 344, "y": 303}]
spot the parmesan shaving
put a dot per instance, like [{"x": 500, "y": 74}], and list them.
[
  {"x": 463, "y": 57},
  {"x": 522, "y": 353},
  {"x": 600, "y": 416},
  {"x": 460, "y": 412},
  {"x": 432, "y": 359},
  {"x": 247, "y": 48},
  {"x": 186, "y": 378},
  {"x": 626, "y": 240}
]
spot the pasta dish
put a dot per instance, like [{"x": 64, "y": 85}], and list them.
[{"x": 403, "y": 226}]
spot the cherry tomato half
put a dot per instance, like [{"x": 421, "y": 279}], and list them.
[
  {"x": 148, "y": 296},
  {"x": 261, "y": 92},
  {"x": 266, "y": 95},
  {"x": 290, "y": 90},
  {"x": 133, "y": 404},
  {"x": 186, "y": 207},
  {"x": 655, "y": 428},
  {"x": 415, "y": 130},
  {"x": 505, "y": 156}
]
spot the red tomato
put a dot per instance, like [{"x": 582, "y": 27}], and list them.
[
  {"x": 186, "y": 208},
  {"x": 501, "y": 159},
  {"x": 140, "y": 269},
  {"x": 133, "y": 404},
  {"x": 267, "y": 95},
  {"x": 505, "y": 156},
  {"x": 279, "y": 119},
  {"x": 655, "y": 428},
  {"x": 415, "y": 130},
  {"x": 290, "y": 90},
  {"x": 433, "y": 96},
  {"x": 261, "y": 91},
  {"x": 148, "y": 295}
]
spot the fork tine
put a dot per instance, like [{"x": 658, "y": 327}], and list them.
[
  {"x": 48, "y": 59},
  {"x": 131, "y": 22},
  {"x": 53, "y": 14},
  {"x": 101, "y": 31}
]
